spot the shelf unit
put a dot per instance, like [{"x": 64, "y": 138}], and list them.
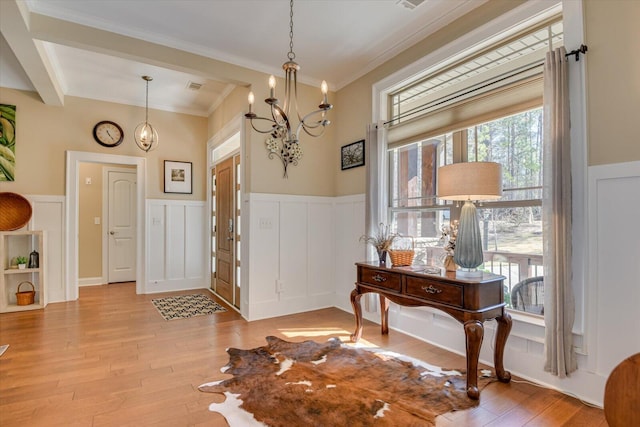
[{"x": 21, "y": 243}]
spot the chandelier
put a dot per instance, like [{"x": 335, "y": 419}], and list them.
[
  {"x": 283, "y": 141},
  {"x": 145, "y": 135}
]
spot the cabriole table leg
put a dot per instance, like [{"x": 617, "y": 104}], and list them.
[
  {"x": 504, "y": 327},
  {"x": 357, "y": 311},
  {"x": 474, "y": 332}
]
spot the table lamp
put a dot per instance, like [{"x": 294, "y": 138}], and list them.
[{"x": 469, "y": 182}]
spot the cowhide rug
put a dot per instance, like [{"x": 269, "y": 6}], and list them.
[{"x": 329, "y": 384}]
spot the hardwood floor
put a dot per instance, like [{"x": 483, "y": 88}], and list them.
[{"x": 109, "y": 359}]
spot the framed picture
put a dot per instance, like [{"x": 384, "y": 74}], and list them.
[
  {"x": 352, "y": 155},
  {"x": 177, "y": 177}
]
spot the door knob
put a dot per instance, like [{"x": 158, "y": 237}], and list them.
[{"x": 112, "y": 232}]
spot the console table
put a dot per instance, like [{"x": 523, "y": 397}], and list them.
[{"x": 470, "y": 301}]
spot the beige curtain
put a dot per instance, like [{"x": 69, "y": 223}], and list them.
[{"x": 556, "y": 210}]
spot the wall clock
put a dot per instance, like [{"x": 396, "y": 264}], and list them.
[{"x": 108, "y": 133}]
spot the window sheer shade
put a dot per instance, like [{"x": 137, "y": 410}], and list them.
[
  {"x": 501, "y": 79},
  {"x": 512, "y": 98}
]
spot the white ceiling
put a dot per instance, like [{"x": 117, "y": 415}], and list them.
[{"x": 335, "y": 40}]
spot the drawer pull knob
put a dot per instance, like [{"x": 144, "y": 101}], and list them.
[
  {"x": 431, "y": 289},
  {"x": 378, "y": 278}
]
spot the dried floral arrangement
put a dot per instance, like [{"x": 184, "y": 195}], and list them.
[
  {"x": 382, "y": 239},
  {"x": 448, "y": 236}
]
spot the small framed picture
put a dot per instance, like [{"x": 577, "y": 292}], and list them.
[
  {"x": 352, "y": 155},
  {"x": 177, "y": 177}
]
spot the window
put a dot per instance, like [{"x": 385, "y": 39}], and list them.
[
  {"x": 480, "y": 105},
  {"x": 511, "y": 226}
]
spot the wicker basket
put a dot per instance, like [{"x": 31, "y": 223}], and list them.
[
  {"x": 26, "y": 297},
  {"x": 16, "y": 211},
  {"x": 402, "y": 257}
]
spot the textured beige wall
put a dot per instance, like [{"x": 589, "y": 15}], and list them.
[
  {"x": 314, "y": 173},
  {"x": 89, "y": 207},
  {"x": 613, "y": 80},
  {"x": 44, "y": 134}
]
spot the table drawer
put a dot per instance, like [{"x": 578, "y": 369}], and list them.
[
  {"x": 382, "y": 279},
  {"x": 435, "y": 291}
]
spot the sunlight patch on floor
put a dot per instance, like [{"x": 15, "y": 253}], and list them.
[
  {"x": 343, "y": 335},
  {"x": 312, "y": 332}
]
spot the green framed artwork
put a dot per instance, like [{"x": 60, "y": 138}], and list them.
[{"x": 7, "y": 142}]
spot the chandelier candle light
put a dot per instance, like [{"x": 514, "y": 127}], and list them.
[
  {"x": 145, "y": 135},
  {"x": 284, "y": 139},
  {"x": 469, "y": 182}
]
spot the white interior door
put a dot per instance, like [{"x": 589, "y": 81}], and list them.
[{"x": 122, "y": 226}]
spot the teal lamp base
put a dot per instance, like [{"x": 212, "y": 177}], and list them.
[{"x": 468, "y": 252}]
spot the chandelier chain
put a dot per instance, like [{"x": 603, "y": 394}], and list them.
[{"x": 291, "y": 55}]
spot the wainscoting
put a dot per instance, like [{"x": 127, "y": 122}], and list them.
[
  {"x": 176, "y": 257},
  {"x": 48, "y": 215},
  {"x": 302, "y": 252}
]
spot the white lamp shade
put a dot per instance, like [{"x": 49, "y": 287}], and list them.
[{"x": 470, "y": 181}]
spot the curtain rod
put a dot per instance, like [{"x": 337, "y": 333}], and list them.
[{"x": 581, "y": 50}]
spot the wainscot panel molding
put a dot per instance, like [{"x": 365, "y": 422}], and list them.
[
  {"x": 176, "y": 257},
  {"x": 349, "y": 226},
  {"x": 291, "y": 253},
  {"x": 614, "y": 268},
  {"x": 49, "y": 216}
]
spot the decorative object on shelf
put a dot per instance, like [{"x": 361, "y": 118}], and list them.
[
  {"x": 16, "y": 211},
  {"x": 25, "y": 297},
  {"x": 34, "y": 259},
  {"x": 22, "y": 262},
  {"x": 177, "y": 177},
  {"x": 13, "y": 246},
  {"x": 7, "y": 142},
  {"x": 352, "y": 155},
  {"x": 403, "y": 251},
  {"x": 381, "y": 241},
  {"x": 108, "y": 133},
  {"x": 448, "y": 239},
  {"x": 145, "y": 135},
  {"x": 469, "y": 182},
  {"x": 284, "y": 139}
]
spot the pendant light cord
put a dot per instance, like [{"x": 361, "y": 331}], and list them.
[{"x": 146, "y": 107}]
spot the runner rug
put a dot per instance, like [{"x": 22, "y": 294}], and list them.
[
  {"x": 184, "y": 306},
  {"x": 331, "y": 384}
]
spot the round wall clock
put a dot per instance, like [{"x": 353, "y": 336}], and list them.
[{"x": 108, "y": 133}]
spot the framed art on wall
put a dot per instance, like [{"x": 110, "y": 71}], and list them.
[
  {"x": 352, "y": 155},
  {"x": 7, "y": 142},
  {"x": 177, "y": 177}
]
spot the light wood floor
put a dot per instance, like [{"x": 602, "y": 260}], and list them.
[{"x": 109, "y": 359}]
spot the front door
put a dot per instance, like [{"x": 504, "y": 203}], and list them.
[
  {"x": 122, "y": 226},
  {"x": 224, "y": 231}
]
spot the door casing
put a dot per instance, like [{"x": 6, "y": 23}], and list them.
[{"x": 73, "y": 160}]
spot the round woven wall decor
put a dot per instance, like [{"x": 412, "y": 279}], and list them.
[{"x": 15, "y": 211}]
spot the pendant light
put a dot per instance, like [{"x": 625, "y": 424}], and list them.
[{"x": 145, "y": 135}]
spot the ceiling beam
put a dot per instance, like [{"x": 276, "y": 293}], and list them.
[
  {"x": 14, "y": 25},
  {"x": 80, "y": 36}
]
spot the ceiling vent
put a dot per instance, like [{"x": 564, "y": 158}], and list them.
[
  {"x": 410, "y": 4},
  {"x": 194, "y": 86}
]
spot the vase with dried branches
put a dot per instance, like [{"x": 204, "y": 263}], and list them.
[
  {"x": 448, "y": 239},
  {"x": 381, "y": 241}
]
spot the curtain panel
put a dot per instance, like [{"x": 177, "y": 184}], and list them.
[{"x": 556, "y": 210}]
